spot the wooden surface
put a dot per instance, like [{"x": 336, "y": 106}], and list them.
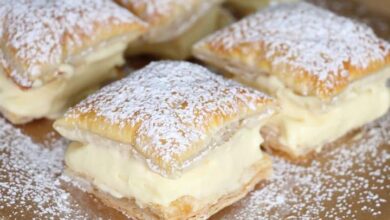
[
  {"x": 285, "y": 196},
  {"x": 377, "y": 6}
]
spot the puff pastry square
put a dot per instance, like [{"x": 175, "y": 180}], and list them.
[
  {"x": 175, "y": 25},
  {"x": 154, "y": 144},
  {"x": 52, "y": 50},
  {"x": 329, "y": 73}
]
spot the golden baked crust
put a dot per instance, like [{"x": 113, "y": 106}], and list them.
[
  {"x": 37, "y": 36},
  {"x": 169, "y": 113},
  {"x": 168, "y": 18},
  {"x": 185, "y": 207},
  {"x": 312, "y": 51}
]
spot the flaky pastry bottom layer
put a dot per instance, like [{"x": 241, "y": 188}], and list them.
[
  {"x": 222, "y": 171},
  {"x": 182, "y": 208},
  {"x": 117, "y": 171}
]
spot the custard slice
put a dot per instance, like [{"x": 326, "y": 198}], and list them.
[
  {"x": 328, "y": 72},
  {"x": 170, "y": 141},
  {"x": 52, "y": 51}
]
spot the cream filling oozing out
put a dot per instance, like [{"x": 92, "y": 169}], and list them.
[
  {"x": 51, "y": 99},
  {"x": 223, "y": 170},
  {"x": 307, "y": 123}
]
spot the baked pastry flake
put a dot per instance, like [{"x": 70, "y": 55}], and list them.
[
  {"x": 328, "y": 72},
  {"x": 52, "y": 50},
  {"x": 153, "y": 144}
]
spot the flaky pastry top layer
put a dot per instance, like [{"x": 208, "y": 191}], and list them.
[
  {"x": 38, "y": 35},
  {"x": 313, "y": 51},
  {"x": 168, "y": 112}
]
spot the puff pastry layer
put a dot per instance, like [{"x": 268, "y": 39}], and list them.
[
  {"x": 320, "y": 66},
  {"x": 50, "y": 43},
  {"x": 157, "y": 136}
]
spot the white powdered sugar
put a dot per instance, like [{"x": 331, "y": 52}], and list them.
[
  {"x": 29, "y": 184},
  {"x": 306, "y": 38},
  {"x": 173, "y": 106},
  {"x": 37, "y": 35},
  {"x": 348, "y": 182}
]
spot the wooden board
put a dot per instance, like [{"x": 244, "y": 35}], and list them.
[{"x": 349, "y": 180}]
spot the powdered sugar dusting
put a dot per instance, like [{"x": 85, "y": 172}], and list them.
[
  {"x": 344, "y": 183},
  {"x": 39, "y": 34},
  {"x": 28, "y": 178},
  {"x": 308, "y": 39},
  {"x": 174, "y": 106}
]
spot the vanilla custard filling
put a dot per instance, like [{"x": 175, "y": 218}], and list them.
[
  {"x": 51, "y": 99},
  {"x": 223, "y": 170},
  {"x": 305, "y": 123}
]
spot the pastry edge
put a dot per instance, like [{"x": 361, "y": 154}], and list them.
[{"x": 232, "y": 63}]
